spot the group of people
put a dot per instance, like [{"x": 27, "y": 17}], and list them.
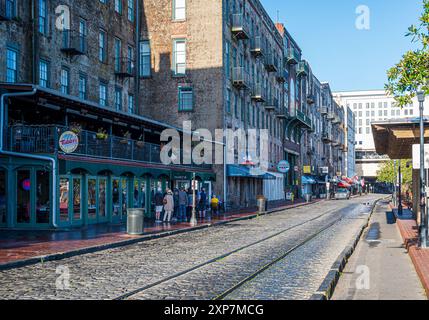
[{"x": 178, "y": 204}]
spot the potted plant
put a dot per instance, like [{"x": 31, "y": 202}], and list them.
[
  {"x": 75, "y": 127},
  {"x": 127, "y": 136},
  {"x": 140, "y": 142},
  {"x": 101, "y": 134}
]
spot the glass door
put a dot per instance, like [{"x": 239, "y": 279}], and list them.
[
  {"x": 116, "y": 200},
  {"x": 102, "y": 200},
  {"x": 23, "y": 197},
  {"x": 3, "y": 197},
  {"x": 124, "y": 198},
  {"x": 76, "y": 203},
  {"x": 92, "y": 200},
  {"x": 64, "y": 196}
]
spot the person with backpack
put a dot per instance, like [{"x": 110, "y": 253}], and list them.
[{"x": 202, "y": 204}]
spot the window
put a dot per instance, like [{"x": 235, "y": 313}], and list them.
[
  {"x": 118, "y": 49},
  {"x": 130, "y": 59},
  {"x": 103, "y": 94},
  {"x": 102, "y": 46},
  {"x": 406, "y": 112},
  {"x": 82, "y": 35},
  {"x": 82, "y": 86},
  {"x": 411, "y": 112},
  {"x": 131, "y": 104},
  {"x": 42, "y": 16},
  {"x": 131, "y": 10},
  {"x": 228, "y": 100},
  {"x": 179, "y": 57},
  {"x": 118, "y": 99},
  {"x": 118, "y": 6},
  {"x": 367, "y": 130},
  {"x": 186, "y": 99},
  {"x": 43, "y": 73},
  {"x": 10, "y": 9},
  {"x": 64, "y": 79},
  {"x": 11, "y": 65},
  {"x": 179, "y": 9},
  {"x": 145, "y": 62}
]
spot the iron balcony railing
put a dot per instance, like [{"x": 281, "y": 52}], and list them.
[
  {"x": 239, "y": 26},
  {"x": 240, "y": 77},
  {"x": 257, "y": 46},
  {"x": 74, "y": 42},
  {"x": 124, "y": 67},
  {"x": 303, "y": 68},
  {"x": 303, "y": 118},
  {"x": 271, "y": 62},
  {"x": 324, "y": 111},
  {"x": 45, "y": 140},
  {"x": 293, "y": 56},
  {"x": 258, "y": 92},
  {"x": 271, "y": 104},
  {"x": 7, "y": 9}
]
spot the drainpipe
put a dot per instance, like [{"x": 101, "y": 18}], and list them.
[
  {"x": 25, "y": 155},
  {"x": 137, "y": 63}
]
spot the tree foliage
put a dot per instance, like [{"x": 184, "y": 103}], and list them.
[
  {"x": 387, "y": 172},
  {"x": 411, "y": 74}
]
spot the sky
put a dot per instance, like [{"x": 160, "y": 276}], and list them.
[{"x": 340, "y": 53}]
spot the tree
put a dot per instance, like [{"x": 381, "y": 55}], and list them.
[
  {"x": 387, "y": 172},
  {"x": 412, "y": 72}
]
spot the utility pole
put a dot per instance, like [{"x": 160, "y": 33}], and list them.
[
  {"x": 395, "y": 181},
  {"x": 423, "y": 236},
  {"x": 400, "y": 191},
  {"x": 194, "y": 217}
]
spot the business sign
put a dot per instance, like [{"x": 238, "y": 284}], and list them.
[
  {"x": 283, "y": 166},
  {"x": 416, "y": 156},
  {"x": 324, "y": 170},
  {"x": 69, "y": 142}
]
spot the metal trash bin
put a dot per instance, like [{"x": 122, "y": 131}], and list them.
[
  {"x": 262, "y": 204},
  {"x": 135, "y": 220},
  {"x": 307, "y": 198}
]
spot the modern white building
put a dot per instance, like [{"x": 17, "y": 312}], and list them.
[{"x": 369, "y": 106}]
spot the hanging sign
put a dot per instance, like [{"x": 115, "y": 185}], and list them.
[{"x": 69, "y": 142}]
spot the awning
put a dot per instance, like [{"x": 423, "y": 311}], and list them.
[
  {"x": 395, "y": 138},
  {"x": 246, "y": 172},
  {"x": 308, "y": 180},
  {"x": 343, "y": 184}
]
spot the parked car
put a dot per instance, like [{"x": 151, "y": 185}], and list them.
[{"x": 342, "y": 194}]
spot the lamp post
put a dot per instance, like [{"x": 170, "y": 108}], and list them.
[
  {"x": 400, "y": 190},
  {"x": 193, "y": 217},
  {"x": 423, "y": 236},
  {"x": 395, "y": 199}
]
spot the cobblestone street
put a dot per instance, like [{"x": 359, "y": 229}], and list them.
[{"x": 204, "y": 264}]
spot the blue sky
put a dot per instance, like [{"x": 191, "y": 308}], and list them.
[{"x": 350, "y": 59}]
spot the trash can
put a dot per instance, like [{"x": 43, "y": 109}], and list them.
[
  {"x": 135, "y": 220},
  {"x": 307, "y": 198},
  {"x": 262, "y": 204}
]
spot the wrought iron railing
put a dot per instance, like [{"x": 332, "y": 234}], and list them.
[{"x": 45, "y": 140}]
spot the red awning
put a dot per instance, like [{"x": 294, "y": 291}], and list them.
[{"x": 343, "y": 184}]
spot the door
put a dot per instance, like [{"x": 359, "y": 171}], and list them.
[
  {"x": 76, "y": 205},
  {"x": 92, "y": 200},
  {"x": 102, "y": 201},
  {"x": 3, "y": 197}
]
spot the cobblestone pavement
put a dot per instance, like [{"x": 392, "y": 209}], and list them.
[{"x": 110, "y": 273}]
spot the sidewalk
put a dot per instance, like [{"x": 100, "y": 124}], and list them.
[
  {"x": 18, "y": 248},
  {"x": 380, "y": 255}
]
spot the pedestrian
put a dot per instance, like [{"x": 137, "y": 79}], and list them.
[
  {"x": 183, "y": 202},
  {"x": 176, "y": 204},
  {"x": 159, "y": 203},
  {"x": 168, "y": 205},
  {"x": 202, "y": 203},
  {"x": 214, "y": 203},
  {"x": 190, "y": 201}
]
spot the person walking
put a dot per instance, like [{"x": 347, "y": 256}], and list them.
[
  {"x": 214, "y": 203},
  {"x": 159, "y": 203},
  {"x": 183, "y": 202},
  {"x": 168, "y": 205},
  {"x": 176, "y": 204},
  {"x": 202, "y": 203}
]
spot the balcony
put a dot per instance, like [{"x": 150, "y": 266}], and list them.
[
  {"x": 282, "y": 113},
  {"x": 271, "y": 104},
  {"x": 331, "y": 116},
  {"x": 305, "y": 120},
  {"x": 326, "y": 137},
  {"x": 282, "y": 76},
  {"x": 292, "y": 56},
  {"x": 303, "y": 69},
  {"x": 336, "y": 120},
  {"x": 45, "y": 140},
  {"x": 258, "y": 92},
  {"x": 240, "y": 78},
  {"x": 73, "y": 43},
  {"x": 124, "y": 67},
  {"x": 311, "y": 98},
  {"x": 271, "y": 63},
  {"x": 7, "y": 10},
  {"x": 239, "y": 27},
  {"x": 324, "y": 111},
  {"x": 256, "y": 47}
]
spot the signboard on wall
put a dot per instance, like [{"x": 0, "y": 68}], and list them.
[
  {"x": 283, "y": 166},
  {"x": 416, "y": 156},
  {"x": 69, "y": 141},
  {"x": 307, "y": 169}
]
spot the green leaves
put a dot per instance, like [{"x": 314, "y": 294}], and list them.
[
  {"x": 388, "y": 174},
  {"x": 412, "y": 72}
]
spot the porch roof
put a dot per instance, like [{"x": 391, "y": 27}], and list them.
[{"x": 396, "y": 137}]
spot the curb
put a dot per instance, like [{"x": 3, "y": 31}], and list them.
[
  {"x": 96, "y": 248},
  {"x": 327, "y": 288}
]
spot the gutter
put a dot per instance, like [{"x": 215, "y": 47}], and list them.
[{"x": 26, "y": 155}]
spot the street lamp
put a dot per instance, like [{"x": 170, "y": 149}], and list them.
[
  {"x": 400, "y": 211},
  {"x": 395, "y": 181},
  {"x": 193, "y": 217},
  {"x": 423, "y": 213}
]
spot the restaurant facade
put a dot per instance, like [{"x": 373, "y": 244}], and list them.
[{"x": 70, "y": 163}]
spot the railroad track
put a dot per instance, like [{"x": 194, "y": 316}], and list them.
[{"x": 230, "y": 253}]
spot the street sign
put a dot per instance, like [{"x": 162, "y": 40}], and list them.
[
  {"x": 416, "y": 156},
  {"x": 307, "y": 169},
  {"x": 283, "y": 166}
]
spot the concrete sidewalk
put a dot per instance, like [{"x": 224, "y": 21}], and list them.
[{"x": 380, "y": 268}]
